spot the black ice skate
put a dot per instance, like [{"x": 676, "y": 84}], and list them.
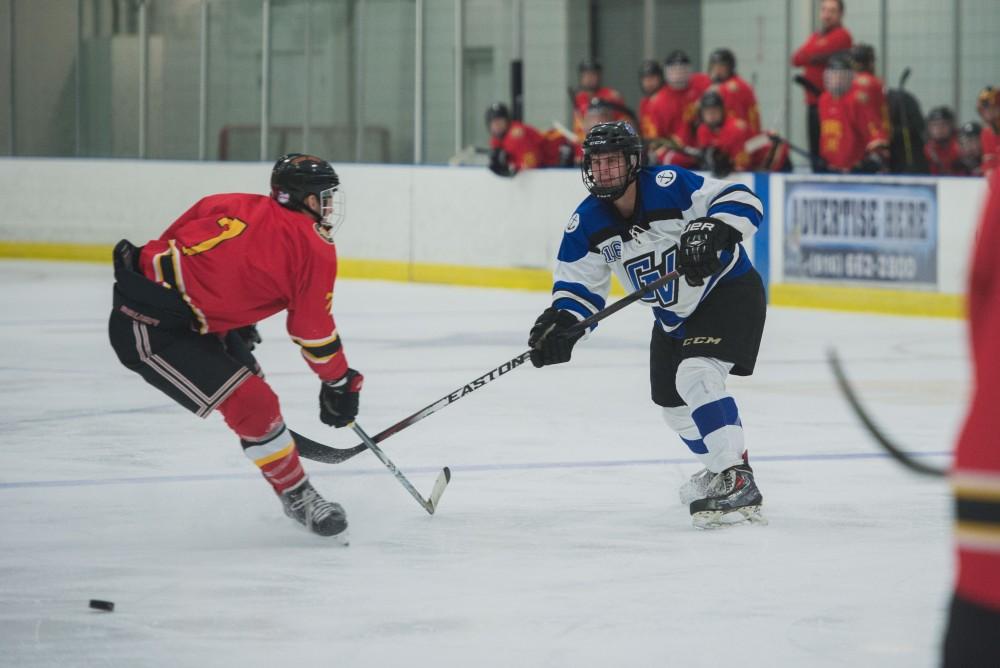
[
  {"x": 732, "y": 498},
  {"x": 304, "y": 505}
]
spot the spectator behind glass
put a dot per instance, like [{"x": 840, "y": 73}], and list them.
[{"x": 831, "y": 38}]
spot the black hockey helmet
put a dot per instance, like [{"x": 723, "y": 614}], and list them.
[
  {"x": 724, "y": 57},
  {"x": 711, "y": 98},
  {"x": 497, "y": 110},
  {"x": 650, "y": 68},
  {"x": 941, "y": 114},
  {"x": 589, "y": 65},
  {"x": 863, "y": 57},
  {"x": 970, "y": 130},
  {"x": 615, "y": 137},
  {"x": 839, "y": 61},
  {"x": 677, "y": 57},
  {"x": 295, "y": 176}
]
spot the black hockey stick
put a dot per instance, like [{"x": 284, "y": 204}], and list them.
[
  {"x": 318, "y": 452},
  {"x": 428, "y": 504},
  {"x": 808, "y": 85},
  {"x": 897, "y": 453}
]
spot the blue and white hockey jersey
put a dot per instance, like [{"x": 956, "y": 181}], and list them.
[{"x": 598, "y": 241}]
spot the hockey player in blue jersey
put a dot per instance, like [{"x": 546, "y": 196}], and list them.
[{"x": 641, "y": 223}]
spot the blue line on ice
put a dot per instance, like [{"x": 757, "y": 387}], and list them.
[{"x": 524, "y": 466}]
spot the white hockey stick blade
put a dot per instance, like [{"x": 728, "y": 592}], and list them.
[{"x": 439, "y": 486}]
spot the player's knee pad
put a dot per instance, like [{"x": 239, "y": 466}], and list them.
[
  {"x": 252, "y": 411},
  {"x": 700, "y": 380},
  {"x": 678, "y": 418}
]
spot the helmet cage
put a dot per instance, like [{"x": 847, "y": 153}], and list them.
[
  {"x": 610, "y": 182},
  {"x": 332, "y": 209}
]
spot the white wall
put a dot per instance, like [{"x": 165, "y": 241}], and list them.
[{"x": 431, "y": 215}]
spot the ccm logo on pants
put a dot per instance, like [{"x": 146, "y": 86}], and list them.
[{"x": 702, "y": 339}]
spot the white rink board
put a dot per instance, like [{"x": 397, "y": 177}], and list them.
[{"x": 559, "y": 542}]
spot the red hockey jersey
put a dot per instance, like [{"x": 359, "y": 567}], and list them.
[
  {"x": 740, "y": 101},
  {"x": 237, "y": 259},
  {"x": 976, "y": 474}
]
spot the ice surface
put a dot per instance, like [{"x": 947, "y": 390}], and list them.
[{"x": 560, "y": 541}]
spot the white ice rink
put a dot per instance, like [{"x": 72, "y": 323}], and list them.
[{"x": 560, "y": 541}]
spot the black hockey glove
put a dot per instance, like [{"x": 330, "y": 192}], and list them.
[
  {"x": 549, "y": 341},
  {"x": 499, "y": 163},
  {"x": 701, "y": 241},
  {"x": 250, "y": 336},
  {"x": 338, "y": 399},
  {"x": 719, "y": 162}
]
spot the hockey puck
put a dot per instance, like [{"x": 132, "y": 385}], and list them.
[{"x": 106, "y": 606}]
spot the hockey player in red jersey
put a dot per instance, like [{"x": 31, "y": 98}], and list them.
[
  {"x": 675, "y": 109},
  {"x": 869, "y": 92},
  {"x": 516, "y": 146},
  {"x": 736, "y": 93},
  {"x": 185, "y": 303},
  {"x": 727, "y": 143},
  {"x": 970, "y": 148},
  {"x": 941, "y": 148},
  {"x": 590, "y": 72},
  {"x": 851, "y": 135},
  {"x": 988, "y": 106},
  {"x": 973, "y": 637},
  {"x": 831, "y": 38},
  {"x": 650, "y": 82}
]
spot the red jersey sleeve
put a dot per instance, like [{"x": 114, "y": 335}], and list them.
[
  {"x": 310, "y": 319},
  {"x": 819, "y": 46},
  {"x": 988, "y": 140}
]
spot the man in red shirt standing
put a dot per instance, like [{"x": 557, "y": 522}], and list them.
[
  {"x": 590, "y": 72},
  {"x": 941, "y": 148},
  {"x": 516, "y": 146},
  {"x": 831, "y": 38},
  {"x": 850, "y": 135},
  {"x": 988, "y": 106},
  {"x": 185, "y": 303},
  {"x": 736, "y": 93},
  {"x": 675, "y": 110},
  {"x": 972, "y": 638}
]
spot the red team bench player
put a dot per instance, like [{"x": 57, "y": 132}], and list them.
[{"x": 185, "y": 306}]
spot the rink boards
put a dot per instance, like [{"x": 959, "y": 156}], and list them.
[{"x": 883, "y": 244}]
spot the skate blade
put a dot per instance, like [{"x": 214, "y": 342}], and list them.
[{"x": 719, "y": 519}]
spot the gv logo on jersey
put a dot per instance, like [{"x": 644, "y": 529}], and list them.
[
  {"x": 574, "y": 222},
  {"x": 665, "y": 178}
]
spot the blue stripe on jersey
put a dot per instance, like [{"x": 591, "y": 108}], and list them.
[
  {"x": 737, "y": 209},
  {"x": 715, "y": 415},
  {"x": 697, "y": 447},
  {"x": 567, "y": 304},
  {"x": 666, "y": 317},
  {"x": 580, "y": 291},
  {"x": 736, "y": 187},
  {"x": 741, "y": 267}
]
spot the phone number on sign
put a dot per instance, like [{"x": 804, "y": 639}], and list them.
[{"x": 863, "y": 265}]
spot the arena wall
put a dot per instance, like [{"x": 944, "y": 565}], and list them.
[{"x": 441, "y": 224}]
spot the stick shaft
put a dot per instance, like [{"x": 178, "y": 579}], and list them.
[
  {"x": 403, "y": 480},
  {"x": 318, "y": 452}
]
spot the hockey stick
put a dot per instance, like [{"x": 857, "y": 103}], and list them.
[
  {"x": 318, "y": 452},
  {"x": 429, "y": 504},
  {"x": 897, "y": 453}
]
